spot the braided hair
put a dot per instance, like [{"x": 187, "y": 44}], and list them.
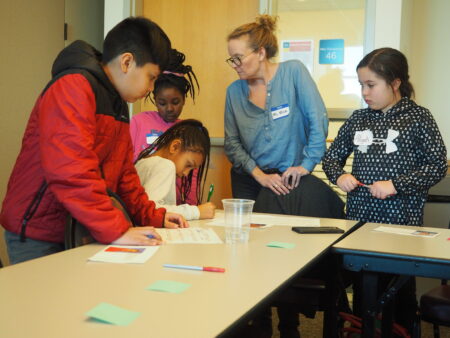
[
  {"x": 194, "y": 137},
  {"x": 175, "y": 77}
]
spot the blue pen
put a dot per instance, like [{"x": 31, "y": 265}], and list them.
[{"x": 150, "y": 236}]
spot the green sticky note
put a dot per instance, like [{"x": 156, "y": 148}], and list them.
[
  {"x": 112, "y": 314},
  {"x": 282, "y": 245},
  {"x": 168, "y": 286}
]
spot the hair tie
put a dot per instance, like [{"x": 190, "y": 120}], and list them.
[{"x": 176, "y": 74}]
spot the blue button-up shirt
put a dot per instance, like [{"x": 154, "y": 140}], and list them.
[{"x": 254, "y": 138}]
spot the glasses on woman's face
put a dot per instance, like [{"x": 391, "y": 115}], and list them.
[{"x": 237, "y": 60}]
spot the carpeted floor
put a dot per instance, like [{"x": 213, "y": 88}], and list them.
[{"x": 312, "y": 328}]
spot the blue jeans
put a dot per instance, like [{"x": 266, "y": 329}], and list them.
[{"x": 23, "y": 251}]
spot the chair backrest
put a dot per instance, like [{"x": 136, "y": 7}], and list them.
[
  {"x": 77, "y": 234},
  {"x": 313, "y": 198}
]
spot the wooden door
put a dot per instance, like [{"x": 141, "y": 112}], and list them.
[{"x": 199, "y": 28}]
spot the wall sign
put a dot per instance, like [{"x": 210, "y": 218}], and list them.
[
  {"x": 298, "y": 50},
  {"x": 331, "y": 51}
]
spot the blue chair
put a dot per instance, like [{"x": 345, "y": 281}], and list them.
[{"x": 435, "y": 305}]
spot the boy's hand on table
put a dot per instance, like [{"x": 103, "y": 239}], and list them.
[
  {"x": 139, "y": 236},
  {"x": 382, "y": 189},
  {"x": 174, "y": 221},
  {"x": 207, "y": 210},
  {"x": 347, "y": 182}
]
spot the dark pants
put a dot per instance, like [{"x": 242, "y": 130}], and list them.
[
  {"x": 246, "y": 187},
  {"x": 405, "y": 305}
]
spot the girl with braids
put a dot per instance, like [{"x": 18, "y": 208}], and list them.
[
  {"x": 169, "y": 94},
  {"x": 183, "y": 147}
]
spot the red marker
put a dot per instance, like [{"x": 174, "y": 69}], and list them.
[
  {"x": 129, "y": 250},
  {"x": 362, "y": 184},
  {"x": 368, "y": 187},
  {"x": 193, "y": 267}
]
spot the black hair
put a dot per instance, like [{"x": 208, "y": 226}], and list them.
[
  {"x": 389, "y": 64},
  {"x": 141, "y": 37},
  {"x": 194, "y": 137},
  {"x": 175, "y": 76}
]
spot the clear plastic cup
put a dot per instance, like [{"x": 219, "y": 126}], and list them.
[{"x": 238, "y": 216}]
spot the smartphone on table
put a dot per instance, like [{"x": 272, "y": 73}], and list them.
[{"x": 318, "y": 230}]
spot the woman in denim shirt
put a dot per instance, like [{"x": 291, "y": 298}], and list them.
[
  {"x": 275, "y": 129},
  {"x": 275, "y": 120}
]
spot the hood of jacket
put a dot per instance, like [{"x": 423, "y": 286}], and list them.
[{"x": 81, "y": 55}]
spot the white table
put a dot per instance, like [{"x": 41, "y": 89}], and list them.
[
  {"x": 48, "y": 297},
  {"x": 373, "y": 252}
]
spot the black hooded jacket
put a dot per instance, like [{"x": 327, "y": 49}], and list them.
[{"x": 77, "y": 141}]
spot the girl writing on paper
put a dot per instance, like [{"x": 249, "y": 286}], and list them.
[
  {"x": 169, "y": 95},
  {"x": 182, "y": 148}
]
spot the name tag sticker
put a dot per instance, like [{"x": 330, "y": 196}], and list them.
[
  {"x": 363, "y": 138},
  {"x": 280, "y": 111},
  {"x": 151, "y": 137}
]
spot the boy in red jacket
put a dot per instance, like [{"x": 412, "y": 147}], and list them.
[{"x": 77, "y": 146}]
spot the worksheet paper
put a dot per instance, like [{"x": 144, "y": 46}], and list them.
[
  {"x": 124, "y": 254},
  {"x": 269, "y": 220},
  {"x": 191, "y": 235},
  {"x": 406, "y": 231}
]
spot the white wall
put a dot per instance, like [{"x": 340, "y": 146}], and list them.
[
  {"x": 420, "y": 29},
  {"x": 428, "y": 57},
  {"x": 383, "y": 19},
  {"x": 116, "y": 11}
]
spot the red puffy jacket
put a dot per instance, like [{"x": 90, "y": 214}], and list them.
[{"x": 77, "y": 142}]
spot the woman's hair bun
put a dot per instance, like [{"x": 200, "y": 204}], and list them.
[{"x": 267, "y": 21}]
